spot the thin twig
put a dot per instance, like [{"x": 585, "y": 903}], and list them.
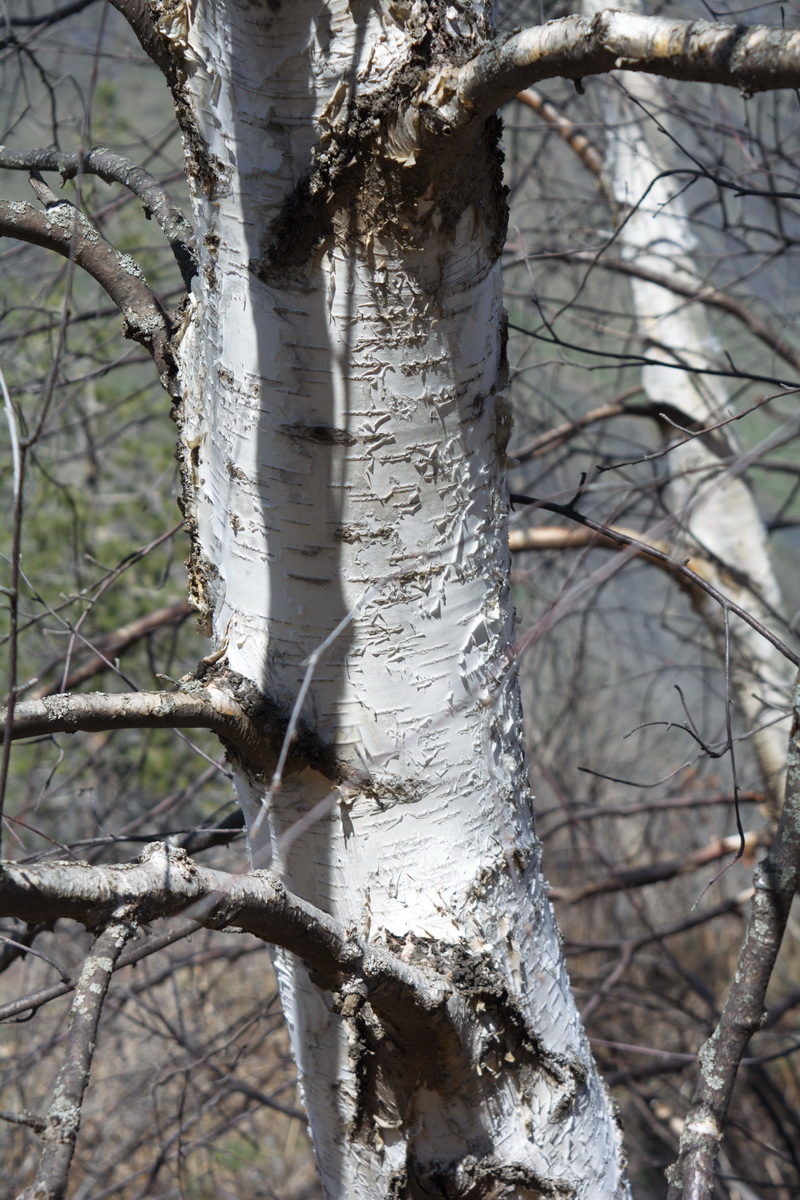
[{"x": 680, "y": 568}]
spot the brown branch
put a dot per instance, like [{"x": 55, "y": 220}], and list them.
[
  {"x": 109, "y": 645},
  {"x": 698, "y": 292},
  {"x": 680, "y": 568},
  {"x": 26, "y": 1005},
  {"x": 578, "y": 815},
  {"x": 633, "y": 944},
  {"x": 92, "y": 712},
  {"x": 775, "y": 883},
  {"x": 586, "y": 151},
  {"x": 64, "y": 1117},
  {"x": 543, "y": 443},
  {"x": 64, "y": 229},
  {"x": 622, "y": 881},
  {"x": 556, "y": 537},
  {"x": 115, "y": 168}
]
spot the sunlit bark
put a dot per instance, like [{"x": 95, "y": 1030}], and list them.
[{"x": 343, "y": 435}]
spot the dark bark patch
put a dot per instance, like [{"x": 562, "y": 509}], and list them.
[{"x": 322, "y": 435}]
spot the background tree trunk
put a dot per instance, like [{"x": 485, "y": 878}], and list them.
[{"x": 704, "y": 488}]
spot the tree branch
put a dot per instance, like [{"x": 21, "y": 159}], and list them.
[
  {"x": 251, "y": 731},
  {"x": 753, "y": 58},
  {"x": 27, "y": 1005},
  {"x": 63, "y": 228},
  {"x": 62, "y": 1123},
  {"x": 679, "y": 568},
  {"x": 449, "y": 115},
  {"x": 51, "y": 18},
  {"x": 139, "y": 16},
  {"x": 696, "y": 292},
  {"x": 557, "y": 537},
  {"x": 572, "y": 134},
  {"x": 165, "y": 881},
  {"x": 557, "y": 435},
  {"x": 775, "y": 883},
  {"x": 655, "y": 872},
  {"x": 105, "y": 646},
  {"x": 115, "y": 168}
]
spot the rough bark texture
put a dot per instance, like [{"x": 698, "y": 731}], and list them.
[{"x": 343, "y": 437}]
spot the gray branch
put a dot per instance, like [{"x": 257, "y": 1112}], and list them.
[
  {"x": 64, "y": 229},
  {"x": 449, "y": 115},
  {"x": 775, "y": 880},
  {"x": 251, "y": 729},
  {"x": 164, "y": 881},
  {"x": 90, "y": 712},
  {"x": 752, "y": 58},
  {"x": 115, "y": 168},
  {"x": 63, "y": 1119}
]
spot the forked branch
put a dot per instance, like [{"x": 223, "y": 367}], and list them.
[
  {"x": 457, "y": 100},
  {"x": 116, "y": 168},
  {"x": 64, "y": 229},
  {"x": 776, "y": 881},
  {"x": 165, "y": 882},
  {"x": 752, "y": 58}
]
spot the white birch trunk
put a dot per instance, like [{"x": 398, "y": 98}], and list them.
[
  {"x": 714, "y": 505},
  {"x": 343, "y": 439}
]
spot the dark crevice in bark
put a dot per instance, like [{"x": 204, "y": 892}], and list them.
[
  {"x": 271, "y": 719},
  {"x": 355, "y": 170}
]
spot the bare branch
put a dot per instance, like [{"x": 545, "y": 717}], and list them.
[
  {"x": 752, "y": 58},
  {"x": 63, "y": 228},
  {"x": 64, "y": 1117},
  {"x": 698, "y": 292},
  {"x": 115, "y": 168},
  {"x": 586, "y": 151},
  {"x": 557, "y": 537},
  {"x": 99, "y": 711},
  {"x": 140, "y": 18},
  {"x": 108, "y": 645},
  {"x": 134, "y": 954},
  {"x": 578, "y": 815},
  {"x": 775, "y": 883},
  {"x": 680, "y": 568},
  {"x": 621, "y": 881},
  {"x": 51, "y": 18},
  {"x": 165, "y": 881},
  {"x": 256, "y": 739},
  {"x": 545, "y": 442}
]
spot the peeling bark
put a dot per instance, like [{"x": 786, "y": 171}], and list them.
[{"x": 343, "y": 440}]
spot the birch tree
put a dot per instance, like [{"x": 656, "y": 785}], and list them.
[
  {"x": 717, "y": 511},
  {"x": 338, "y": 373}
]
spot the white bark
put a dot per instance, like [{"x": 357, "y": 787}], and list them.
[
  {"x": 712, "y": 501},
  {"x": 343, "y": 436}
]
